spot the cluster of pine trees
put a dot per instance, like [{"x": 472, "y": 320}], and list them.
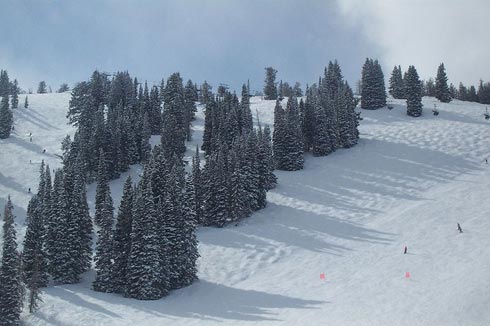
[
  {"x": 272, "y": 91},
  {"x": 322, "y": 123},
  {"x": 151, "y": 246},
  {"x": 239, "y": 166},
  {"x": 471, "y": 93},
  {"x": 438, "y": 89},
  {"x": 9, "y": 91},
  {"x": 118, "y": 116}
]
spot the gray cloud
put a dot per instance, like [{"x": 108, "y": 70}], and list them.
[{"x": 426, "y": 32}]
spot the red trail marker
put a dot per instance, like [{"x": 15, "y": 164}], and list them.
[
  {"x": 407, "y": 275},
  {"x": 322, "y": 276}
]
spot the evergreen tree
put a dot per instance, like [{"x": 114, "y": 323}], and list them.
[
  {"x": 104, "y": 252},
  {"x": 34, "y": 263},
  {"x": 373, "y": 93},
  {"x": 15, "y": 94},
  {"x": 82, "y": 222},
  {"x": 397, "y": 88},
  {"x": 65, "y": 236},
  {"x": 173, "y": 131},
  {"x": 270, "y": 88},
  {"x": 10, "y": 274},
  {"x": 4, "y": 84},
  {"x": 42, "y": 88},
  {"x": 6, "y": 118},
  {"x": 245, "y": 118},
  {"x": 102, "y": 188},
  {"x": 413, "y": 91},
  {"x": 206, "y": 93},
  {"x": 278, "y": 136},
  {"x": 238, "y": 195},
  {"x": 297, "y": 91},
  {"x": 143, "y": 267},
  {"x": 321, "y": 144},
  {"x": 63, "y": 88},
  {"x": 294, "y": 148},
  {"x": 441, "y": 89},
  {"x": 190, "y": 252},
  {"x": 122, "y": 238}
]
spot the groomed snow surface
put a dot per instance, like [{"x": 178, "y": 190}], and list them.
[{"x": 347, "y": 216}]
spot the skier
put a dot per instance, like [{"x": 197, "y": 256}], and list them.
[
  {"x": 486, "y": 161},
  {"x": 460, "y": 229},
  {"x": 29, "y": 191},
  {"x": 405, "y": 250},
  {"x": 44, "y": 150},
  {"x": 30, "y": 139}
]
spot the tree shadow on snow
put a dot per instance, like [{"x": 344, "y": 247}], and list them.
[
  {"x": 211, "y": 301},
  {"x": 35, "y": 118},
  {"x": 203, "y": 300},
  {"x": 322, "y": 208}
]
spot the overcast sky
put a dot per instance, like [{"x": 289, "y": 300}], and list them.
[{"x": 231, "y": 41}]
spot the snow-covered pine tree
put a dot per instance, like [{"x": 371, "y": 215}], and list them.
[
  {"x": 122, "y": 238},
  {"x": 413, "y": 92},
  {"x": 190, "y": 252},
  {"x": 34, "y": 259},
  {"x": 279, "y": 137},
  {"x": 397, "y": 88},
  {"x": 373, "y": 93},
  {"x": 270, "y": 88},
  {"x": 245, "y": 118},
  {"x": 349, "y": 132},
  {"x": 238, "y": 201},
  {"x": 174, "y": 124},
  {"x": 102, "y": 188},
  {"x": 4, "y": 84},
  {"x": 307, "y": 120},
  {"x": 209, "y": 127},
  {"x": 65, "y": 231},
  {"x": 441, "y": 88},
  {"x": 143, "y": 268},
  {"x": 262, "y": 169},
  {"x": 15, "y": 94},
  {"x": 293, "y": 144},
  {"x": 215, "y": 208},
  {"x": 42, "y": 88},
  {"x": 6, "y": 118},
  {"x": 104, "y": 253},
  {"x": 321, "y": 144},
  {"x": 176, "y": 225},
  {"x": 10, "y": 272},
  {"x": 206, "y": 94},
  {"x": 81, "y": 220},
  {"x": 155, "y": 111},
  {"x": 190, "y": 108}
]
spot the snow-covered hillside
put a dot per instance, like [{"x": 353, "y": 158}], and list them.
[{"x": 347, "y": 216}]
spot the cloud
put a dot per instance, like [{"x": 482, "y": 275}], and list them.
[{"x": 425, "y": 33}]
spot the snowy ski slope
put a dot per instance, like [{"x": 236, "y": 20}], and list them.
[{"x": 347, "y": 216}]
